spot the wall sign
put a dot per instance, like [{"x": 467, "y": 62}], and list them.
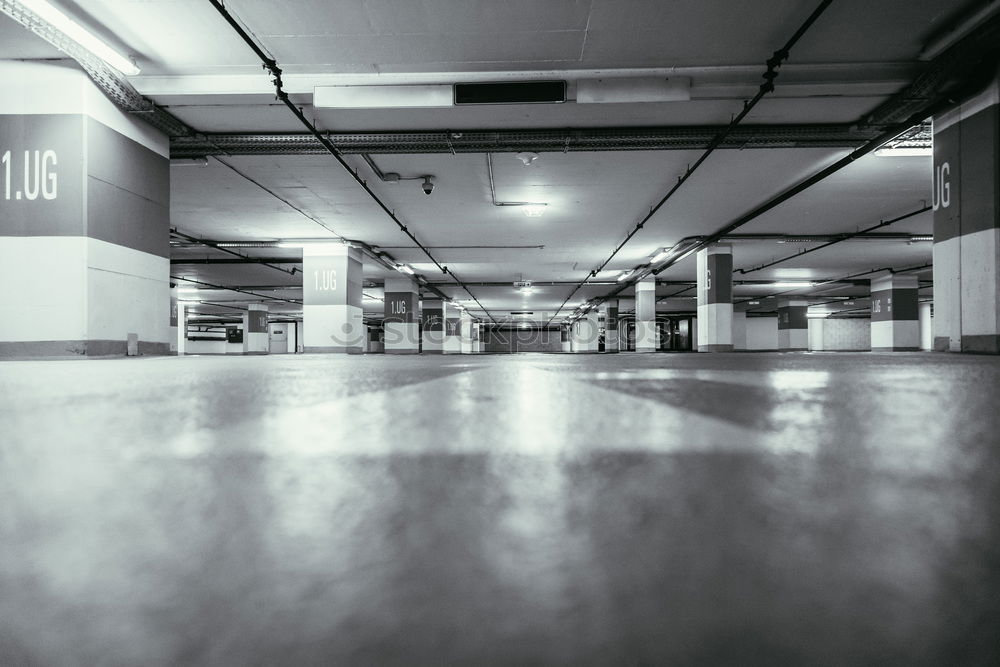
[{"x": 41, "y": 175}]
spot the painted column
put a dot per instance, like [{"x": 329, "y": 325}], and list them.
[
  {"x": 432, "y": 314},
  {"x": 739, "y": 331},
  {"x": 925, "y": 315},
  {"x": 609, "y": 309},
  {"x": 646, "y": 339},
  {"x": 84, "y": 215},
  {"x": 793, "y": 326},
  {"x": 452, "y": 328},
  {"x": 402, "y": 311},
  {"x": 174, "y": 321},
  {"x": 466, "y": 335},
  {"x": 895, "y": 326},
  {"x": 255, "y": 331},
  {"x": 966, "y": 203},
  {"x": 181, "y": 328},
  {"x": 331, "y": 295},
  {"x": 566, "y": 335},
  {"x": 715, "y": 298},
  {"x": 587, "y": 333}
]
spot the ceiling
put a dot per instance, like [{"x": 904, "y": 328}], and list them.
[{"x": 856, "y": 56}]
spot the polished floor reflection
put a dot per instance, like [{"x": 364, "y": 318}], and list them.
[{"x": 755, "y": 509}]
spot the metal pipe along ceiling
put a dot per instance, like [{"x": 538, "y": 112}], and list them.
[
  {"x": 272, "y": 66},
  {"x": 773, "y": 63}
]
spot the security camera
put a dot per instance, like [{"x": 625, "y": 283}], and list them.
[{"x": 428, "y": 186}]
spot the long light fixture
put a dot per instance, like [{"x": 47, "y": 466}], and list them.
[
  {"x": 80, "y": 35},
  {"x": 913, "y": 151},
  {"x": 403, "y": 268},
  {"x": 660, "y": 256},
  {"x": 308, "y": 244},
  {"x": 791, "y": 284},
  {"x": 625, "y": 274}
]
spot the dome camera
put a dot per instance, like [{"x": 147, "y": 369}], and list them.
[{"x": 428, "y": 185}]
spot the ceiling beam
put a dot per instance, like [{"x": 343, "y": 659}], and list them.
[{"x": 538, "y": 140}]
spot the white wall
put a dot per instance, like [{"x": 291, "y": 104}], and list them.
[
  {"x": 762, "y": 333},
  {"x": 845, "y": 335},
  {"x": 220, "y": 346}
]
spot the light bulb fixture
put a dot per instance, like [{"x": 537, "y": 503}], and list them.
[
  {"x": 533, "y": 210},
  {"x": 625, "y": 274},
  {"x": 403, "y": 268},
  {"x": 660, "y": 256},
  {"x": 527, "y": 157},
  {"x": 63, "y": 23},
  {"x": 819, "y": 314}
]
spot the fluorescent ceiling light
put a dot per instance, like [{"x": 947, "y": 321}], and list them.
[
  {"x": 534, "y": 210},
  {"x": 819, "y": 314},
  {"x": 81, "y": 36},
  {"x": 308, "y": 244},
  {"x": 189, "y": 300},
  {"x": 403, "y": 268},
  {"x": 905, "y": 152},
  {"x": 660, "y": 256},
  {"x": 625, "y": 274},
  {"x": 921, "y": 237},
  {"x": 383, "y": 97},
  {"x": 187, "y": 290},
  {"x": 790, "y": 284}
]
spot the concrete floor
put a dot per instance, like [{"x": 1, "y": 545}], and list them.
[{"x": 755, "y": 509}]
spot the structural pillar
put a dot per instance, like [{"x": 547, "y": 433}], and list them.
[
  {"x": 793, "y": 326},
  {"x": 586, "y": 333},
  {"x": 432, "y": 316},
  {"x": 566, "y": 336},
  {"x": 255, "y": 330},
  {"x": 401, "y": 328},
  {"x": 181, "y": 328},
  {"x": 966, "y": 203},
  {"x": 925, "y": 316},
  {"x": 609, "y": 310},
  {"x": 452, "y": 328},
  {"x": 331, "y": 295},
  {"x": 646, "y": 338},
  {"x": 466, "y": 333},
  {"x": 84, "y": 217},
  {"x": 895, "y": 325},
  {"x": 174, "y": 321},
  {"x": 715, "y": 298}
]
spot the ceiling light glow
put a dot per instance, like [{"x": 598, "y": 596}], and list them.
[
  {"x": 403, "y": 268},
  {"x": 81, "y": 36},
  {"x": 905, "y": 152},
  {"x": 533, "y": 210},
  {"x": 660, "y": 256},
  {"x": 791, "y": 284},
  {"x": 625, "y": 274}
]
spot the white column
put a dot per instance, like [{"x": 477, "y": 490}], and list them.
[
  {"x": 609, "y": 312},
  {"x": 401, "y": 318},
  {"x": 452, "y": 328},
  {"x": 331, "y": 292},
  {"x": 432, "y": 316},
  {"x": 586, "y": 333},
  {"x": 466, "y": 333},
  {"x": 894, "y": 322},
  {"x": 255, "y": 335},
  {"x": 181, "y": 328},
  {"x": 646, "y": 338},
  {"x": 715, "y": 298},
  {"x": 793, "y": 326},
  {"x": 926, "y": 325}
]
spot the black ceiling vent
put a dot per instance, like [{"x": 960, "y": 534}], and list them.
[{"x": 516, "y": 92}]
